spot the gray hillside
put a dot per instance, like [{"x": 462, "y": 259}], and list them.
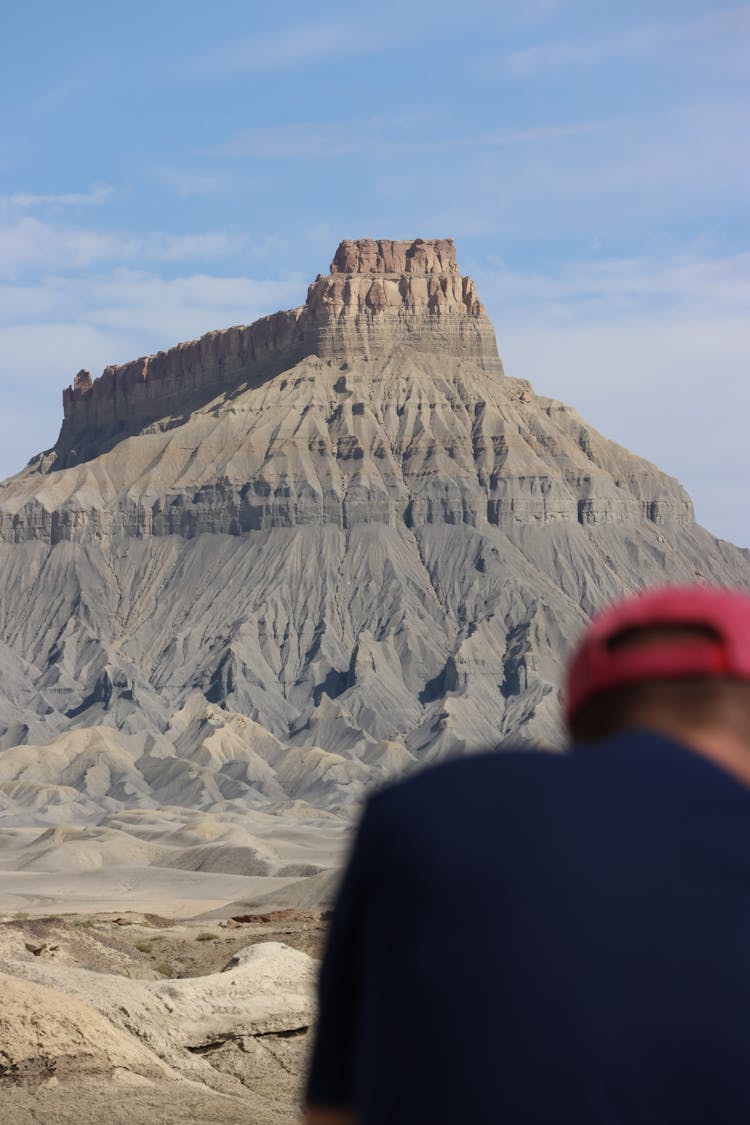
[{"x": 350, "y": 546}]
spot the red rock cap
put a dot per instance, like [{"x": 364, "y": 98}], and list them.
[{"x": 597, "y": 665}]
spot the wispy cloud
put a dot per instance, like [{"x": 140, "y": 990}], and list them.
[
  {"x": 32, "y": 243},
  {"x": 297, "y": 44},
  {"x": 716, "y": 284},
  {"x": 622, "y": 180},
  {"x": 61, "y": 95},
  {"x": 189, "y": 183},
  {"x": 565, "y": 54},
  {"x": 22, "y": 200},
  {"x": 315, "y": 139},
  {"x": 391, "y": 25},
  {"x": 731, "y": 25},
  {"x": 182, "y": 307},
  {"x": 138, "y": 310},
  {"x": 183, "y": 247},
  {"x": 381, "y": 136}
]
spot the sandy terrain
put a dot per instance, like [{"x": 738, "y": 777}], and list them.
[
  {"x": 134, "y": 1017},
  {"x": 130, "y": 993}
]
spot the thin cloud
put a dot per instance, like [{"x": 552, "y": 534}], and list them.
[
  {"x": 187, "y": 183},
  {"x": 299, "y": 44},
  {"x": 183, "y": 247},
  {"x": 320, "y": 140},
  {"x": 63, "y": 94},
  {"x": 199, "y": 301},
  {"x": 530, "y": 61},
  {"x": 31, "y": 243},
  {"x": 721, "y": 284},
  {"x": 730, "y": 25},
  {"x": 293, "y": 46},
  {"x": 139, "y": 306},
  {"x": 379, "y": 137},
  {"x": 22, "y": 200},
  {"x": 616, "y": 179}
]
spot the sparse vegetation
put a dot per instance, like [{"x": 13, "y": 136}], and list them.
[
  {"x": 87, "y": 923},
  {"x": 21, "y": 916},
  {"x": 205, "y": 936},
  {"x": 165, "y": 969},
  {"x": 144, "y": 946}
]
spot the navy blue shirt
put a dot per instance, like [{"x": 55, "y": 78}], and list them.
[{"x": 527, "y": 937}]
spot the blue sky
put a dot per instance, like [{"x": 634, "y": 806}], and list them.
[{"x": 169, "y": 168}]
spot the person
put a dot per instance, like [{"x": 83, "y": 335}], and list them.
[{"x": 534, "y": 937}]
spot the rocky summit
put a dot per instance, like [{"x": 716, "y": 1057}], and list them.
[
  {"x": 377, "y": 295},
  {"x": 267, "y": 568}
]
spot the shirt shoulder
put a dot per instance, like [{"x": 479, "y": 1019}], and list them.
[
  {"x": 497, "y": 776},
  {"x": 503, "y": 780}
]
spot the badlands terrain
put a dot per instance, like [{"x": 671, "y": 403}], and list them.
[
  {"x": 257, "y": 575},
  {"x": 133, "y": 1018}
]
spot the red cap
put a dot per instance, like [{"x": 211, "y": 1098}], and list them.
[{"x": 596, "y": 667}]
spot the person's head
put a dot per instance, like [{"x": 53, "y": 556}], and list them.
[{"x": 674, "y": 659}]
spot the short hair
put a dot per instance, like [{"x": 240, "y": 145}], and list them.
[{"x": 695, "y": 702}]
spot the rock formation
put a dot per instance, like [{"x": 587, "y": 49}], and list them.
[
  {"x": 288, "y": 560},
  {"x": 377, "y": 295},
  {"x": 88, "y": 1033}
]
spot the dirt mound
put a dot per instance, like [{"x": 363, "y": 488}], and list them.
[
  {"x": 44, "y": 1033},
  {"x": 132, "y": 1018}
]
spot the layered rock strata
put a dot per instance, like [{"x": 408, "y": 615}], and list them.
[
  {"x": 412, "y": 439},
  {"x": 377, "y": 295},
  {"x": 306, "y": 582}
]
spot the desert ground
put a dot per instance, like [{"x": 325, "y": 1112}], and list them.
[{"x": 143, "y": 994}]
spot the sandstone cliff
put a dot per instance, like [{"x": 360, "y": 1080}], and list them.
[{"x": 376, "y": 295}]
